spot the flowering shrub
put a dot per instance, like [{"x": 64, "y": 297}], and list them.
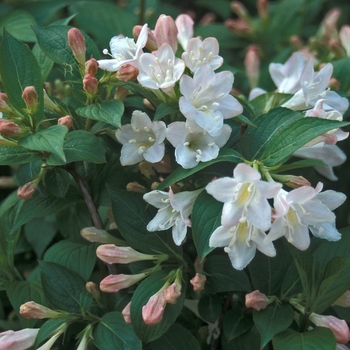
[{"x": 161, "y": 202}]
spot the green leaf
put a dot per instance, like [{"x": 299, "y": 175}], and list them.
[
  {"x": 235, "y": 323},
  {"x": 74, "y": 256},
  {"x": 305, "y": 163},
  {"x": 205, "y": 217},
  {"x": 63, "y": 288},
  {"x": 49, "y": 140},
  {"x": 57, "y": 182},
  {"x": 144, "y": 291},
  {"x": 109, "y": 112},
  {"x": 48, "y": 329},
  {"x": 265, "y": 102},
  {"x": 222, "y": 277},
  {"x": 112, "y": 333},
  {"x": 225, "y": 155},
  {"x": 18, "y": 23},
  {"x": 176, "y": 338},
  {"x": 340, "y": 67},
  {"x": 319, "y": 338},
  {"x": 165, "y": 109},
  {"x": 132, "y": 214},
  {"x": 209, "y": 307},
  {"x": 44, "y": 62},
  {"x": 17, "y": 155},
  {"x": 273, "y": 319},
  {"x": 80, "y": 145},
  {"x": 18, "y": 70},
  {"x": 247, "y": 341}
]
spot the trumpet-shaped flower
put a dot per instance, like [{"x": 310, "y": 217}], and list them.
[
  {"x": 19, "y": 340},
  {"x": 124, "y": 51},
  {"x": 199, "y": 52},
  {"x": 193, "y": 144},
  {"x": 302, "y": 209},
  {"x": 173, "y": 211},
  {"x": 206, "y": 99},
  {"x": 142, "y": 139},
  {"x": 244, "y": 196},
  {"x": 160, "y": 70}
]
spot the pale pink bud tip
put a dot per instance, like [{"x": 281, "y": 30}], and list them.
[
  {"x": 126, "y": 313},
  {"x": 76, "y": 41},
  {"x": 136, "y": 187},
  {"x": 252, "y": 65},
  {"x": 22, "y": 339},
  {"x": 151, "y": 43},
  {"x": 26, "y": 191},
  {"x": 90, "y": 84},
  {"x": 30, "y": 97},
  {"x": 127, "y": 73},
  {"x": 33, "y": 310},
  {"x": 166, "y": 32},
  {"x": 67, "y": 121},
  {"x": 91, "y": 66},
  {"x": 92, "y": 288},
  {"x": 172, "y": 293},
  {"x": 4, "y": 103},
  {"x": 8, "y": 128},
  {"x": 256, "y": 300},
  {"x": 198, "y": 282},
  {"x": 152, "y": 312},
  {"x": 114, "y": 283}
]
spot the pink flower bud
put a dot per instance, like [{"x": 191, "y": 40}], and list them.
[
  {"x": 26, "y": 191},
  {"x": 151, "y": 43},
  {"x": 90, "y": 84},
  {"x": 256, "y": 300},
  {"x": 292, "y": 181},
  {"x": 127, "y": 73},
  {"x": 343, "y": 300},
  {"x": 198, "y": 282},
  {"x": 344, "y": 36},
  {"x": 164, "y": 166},
  {"x": 296, "y": 42},
  {"x": 339, "y": 327},
  {"x": 239, "y": 9},
  {"x": 184, "y": 25},
  {"x": 76, "y": 41},
  {"x": 92, "y": 288},
  {"x": 239, "y": 26},
  {"x": 67, "y": 121},
  {"x": 111, "y": 254},
  {"x": 166, "y": 32},
  {"x": 22, "y": 339},
  {"x": 91, "y": 67},
  {"x": 33, "y": 310},
  {"x": 263, "y": 8},
  {"x": 334, "y": 84},
  {"x": 172, "y": 293},
  {"x": 336, "y": 47},
  {"x": 8, "y": 128},
  {"x": 126, "y": 313},
  {"x": 252, "y": 65},
  {"x": 92, "y": 234},
  {"x": 30, "y": 97},
  {"x": 120, "y": 93},
  {"x": 152, "y": 312},
  {"x": 4, "y": 103},
  {"x": 136, "y": 187},
  {"x": 114, "y": 283}
]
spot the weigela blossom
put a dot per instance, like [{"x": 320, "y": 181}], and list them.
[
  {"x": 199, "y": 52},
  {"x": 19, "y": 340},
  {"x": 193, "y": 144},
  {"x": 302, "y": 209},
  {"x": 206, "y": 99},
  {"x": 166, "y": 32},
  {"x": 124, "y": 51},
  {"x": 114, "y": 283},
  {"x": 141, "y": 140},
  {"x": 173, "y": 211},
  {"x": 184, "y": 24},
  {"x": 152, "y": 312}
]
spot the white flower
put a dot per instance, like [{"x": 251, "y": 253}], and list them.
[
  {"x": 193, "y": 144},
  {"x": 302, "y": 209},
  {"x": 15, "y": 340},
  {"x": 206, "y": 99},
  {"x": 124, "y": 51},
  {"x": 142, "y": 139},
  {"x": 173, "y": 211},
  {"x": 199, "y": 52},
  {"x": 160, "y": 70},
  {"x": 244, "y": 196}
]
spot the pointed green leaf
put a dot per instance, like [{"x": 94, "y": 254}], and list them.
[
  {"x": 272, "y": 320},
  {"x": 109, "y": 112},
  {"x": 19, "y": 69},
  {"x": 235, "y": 323},
  {"x": 44, "y": 62},
  {"x": 210, "y": 307},
  {"x": 340, "y": 67},
  {"x": 49, "y": 140},
  {"x": 48, "y": 329},
  {"x": 57, "y": 181},
  {"x": 112, "y": 333},
  {"x": 165, "y": 109},
  {"x": 17, "y": 155},
  {"x": 205, "y": 217}
]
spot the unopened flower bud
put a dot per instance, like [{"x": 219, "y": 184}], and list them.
[
  {"x": 339, "y": 327},
  {"x": 239, "y": 9},
  {"x": 343, "y": 300},
  {"x": 126, "y": 313},
  {"x": 256, "y": 300},
  {"x": 334, "y": 84},
  {"x": 166, "y": 32},
  {"x": 76, "y": 41},
  {"x": 164, "y": 166},
  {"x": 151, "y": 43},
  {"x": 93, "y": 234},
  {"x": 136, "y": 187},
  {"x": 114, "y": 283},
  {"x": 239, "y": 26},
  {"x": 263, "y": 8},
  {"x": 252, "y": 65},
  {"x": 147, "y": 170},
  {"x": 172, "y": 293},
  {"x": 90, "y": 84},
  {"x": 152, "y": 312},
  {"x": 198, "y": 282},
  {"x": 336, "y": 48},
  {"x": 30, "y": 97},
  {"x": 26, "y": 191},
  {"x": 184, "y": 25},
  {"x": 67, "y": 121},
  {"x": 7, "y": 181},
  {"x": 33, "y": 310},
  {"x": 111, "y": 254},
  {"x": 292, "y": 181},
  {"x": 207, "y": 19},
  {"x": 120, "y": 93},
  {"x": 344, "y": 36},
  {"x": 8, "y": 128},
  {"x": 127, "y": 73},
  {"x": 296, "y": 42},
  {"x": 91, "y": 67},
  {"x": 4, "y": 103},
  {"x": 92, "y": 288}
]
